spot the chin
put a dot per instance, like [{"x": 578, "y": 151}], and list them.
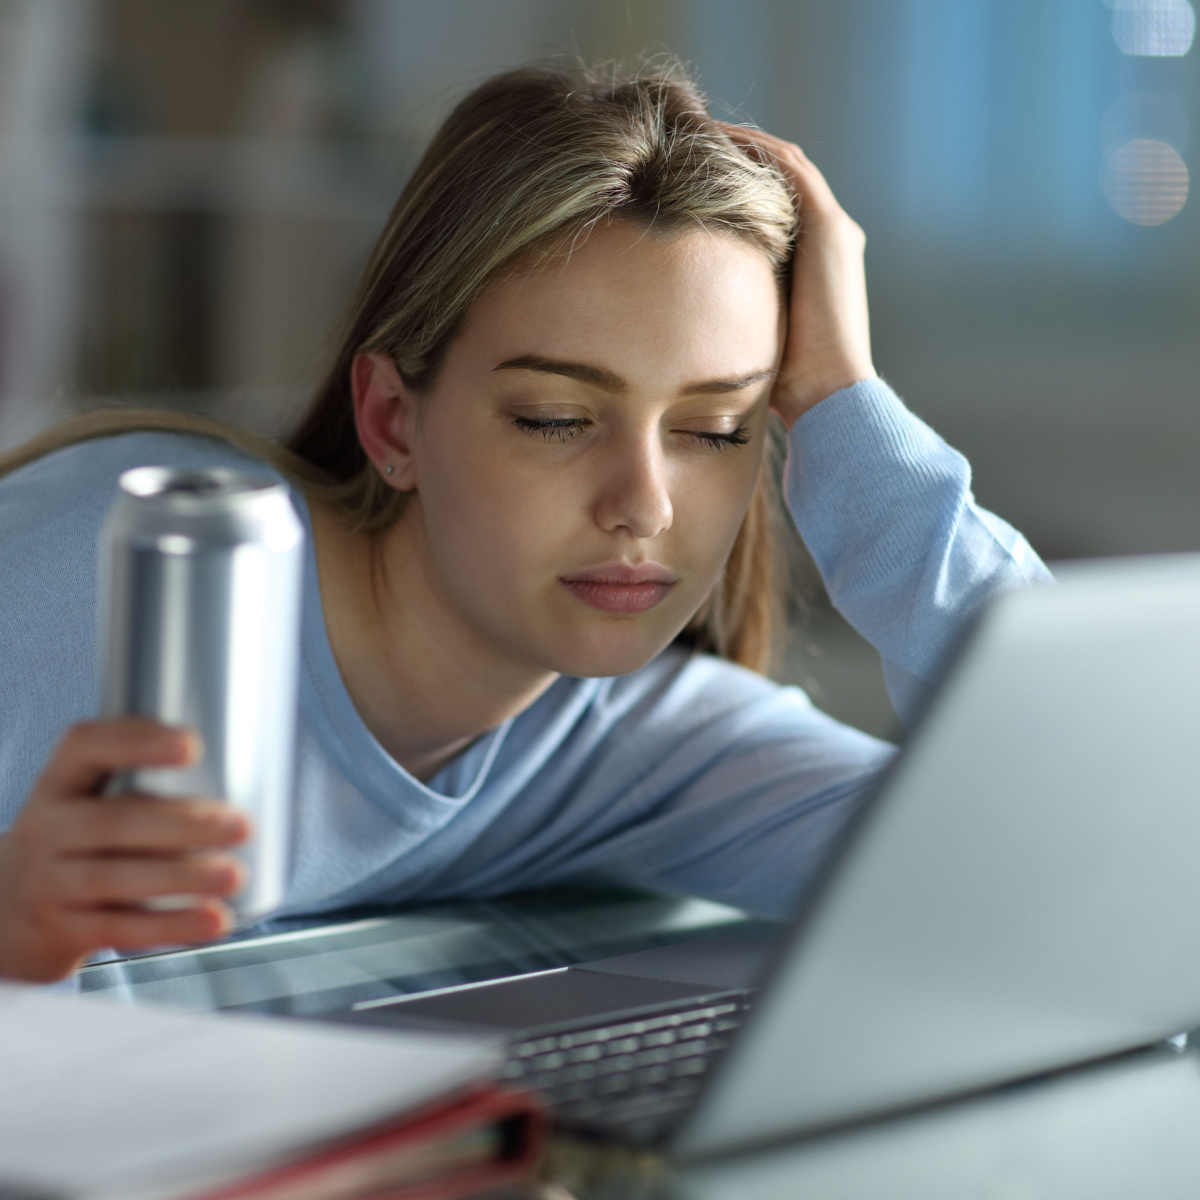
[{"x": 601, "y": 657}]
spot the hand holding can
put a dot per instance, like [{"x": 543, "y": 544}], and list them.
[
  {"x": 77, "y": 868},
  {"x": 200, "y": 576}
]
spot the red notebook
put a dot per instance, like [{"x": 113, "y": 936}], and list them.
[{"x": 481, "y": 1140}]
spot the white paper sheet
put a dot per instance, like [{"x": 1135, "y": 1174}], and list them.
[{"x": 102, "y": 1100}]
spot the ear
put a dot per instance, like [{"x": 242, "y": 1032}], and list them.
[{"x": 385, "y": 414}]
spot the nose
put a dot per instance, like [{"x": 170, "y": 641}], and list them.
[{"x": 634, "y": 493}]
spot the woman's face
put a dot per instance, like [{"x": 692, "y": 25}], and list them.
[{"x": 584, "y": 461}]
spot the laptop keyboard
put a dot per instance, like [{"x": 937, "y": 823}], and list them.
[{"x": 631, "y": 1078}]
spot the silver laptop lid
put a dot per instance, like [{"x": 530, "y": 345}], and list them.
[{"x": 1023, "y": 890}]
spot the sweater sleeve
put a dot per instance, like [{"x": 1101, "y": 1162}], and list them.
[{"x": 886, "y": 509}]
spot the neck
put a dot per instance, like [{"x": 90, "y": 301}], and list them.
[{"x": 425, "y": 683}]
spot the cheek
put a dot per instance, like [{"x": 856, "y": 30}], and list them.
[
  {"x": 490, "y": 519},
  {"x": 710, "y": 505}
]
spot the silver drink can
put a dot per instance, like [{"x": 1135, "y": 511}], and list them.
[{"x": 200, "y": 582}]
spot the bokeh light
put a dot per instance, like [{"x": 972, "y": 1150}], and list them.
[
  {"x": 1146, "y": 181},
  {"x": 1153, "y": 28}
]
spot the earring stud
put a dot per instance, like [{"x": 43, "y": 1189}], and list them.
[{"x": 388, "y": 469}]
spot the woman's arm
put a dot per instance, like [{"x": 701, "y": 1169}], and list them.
[
  {"x": 884, "y": 505},
  {"x": 908, "y": 557}
]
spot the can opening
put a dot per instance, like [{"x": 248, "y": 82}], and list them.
[
  {"x": 199, "y": 484},
  {"x": 194, "y": 485}
]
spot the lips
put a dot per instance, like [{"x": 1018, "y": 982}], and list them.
[{"x": 619, "y": 587}]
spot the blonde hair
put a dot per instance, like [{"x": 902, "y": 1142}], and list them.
[{"x": 527, "y": 163}]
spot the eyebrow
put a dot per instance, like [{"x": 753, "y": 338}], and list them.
[{"x": 610, "y": 381}]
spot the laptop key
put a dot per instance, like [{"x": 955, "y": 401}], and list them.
[
  {"x": 663, "y": 1038},
  {"x": 651, "y": 1075},
  {"x": 629, "y": 1077},
  {"x": 584, "y": 1054},
  {"x": 578, "y": 1073},
  {"x": 613, "y": 1083},
  {"x": 625, "y": 1045},
  {"x": 648, "y": 1058}
]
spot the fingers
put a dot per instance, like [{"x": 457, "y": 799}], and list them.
[
  {"x": 145, "y": 825},
  {"x": 814, "y": 195},
  {"x": 96, "y": 882},
  {"x": 49, "y": 945},
  {"x": 828, "y": 345},
  {"x": 136, "y": 929},
  {"x": 79, "y": 871},
  {"x": 91, "y": 752}
]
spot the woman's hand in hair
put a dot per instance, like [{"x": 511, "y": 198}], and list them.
[
  {"x": 77, "y": 867},
  {"x": 828, "y": 337}
]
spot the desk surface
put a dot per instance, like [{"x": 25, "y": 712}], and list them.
[
  {"x": 1121, "y": 1130},
  {"x": 1124, "y": 1128}
]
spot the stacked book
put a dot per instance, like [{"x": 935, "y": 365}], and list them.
[{"x": 99, "y": 1101}]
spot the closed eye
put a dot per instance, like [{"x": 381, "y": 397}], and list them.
[
  {"x": 561, "y": 429},
  {"x": 722, "y": 441}
]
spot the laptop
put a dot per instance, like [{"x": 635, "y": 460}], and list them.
[{"x": 1020, "y": 893}]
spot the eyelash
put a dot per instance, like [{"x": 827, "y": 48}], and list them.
[{"x": 563, "y": 429}]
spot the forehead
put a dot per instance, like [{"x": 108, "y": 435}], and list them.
[{"x": 650, "y": 306}]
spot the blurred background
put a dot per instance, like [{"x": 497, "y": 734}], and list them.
[{"x": 187, "y": 191}]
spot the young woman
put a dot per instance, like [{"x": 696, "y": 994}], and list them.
[{"x": 539, "y": 564}]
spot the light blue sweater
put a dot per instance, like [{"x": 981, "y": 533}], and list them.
[{"x": 690, "y": 774}]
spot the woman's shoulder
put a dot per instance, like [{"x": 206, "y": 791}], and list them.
[
  {"x": 77, "y": 483},
  {"x": 100, "y": 460}
]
